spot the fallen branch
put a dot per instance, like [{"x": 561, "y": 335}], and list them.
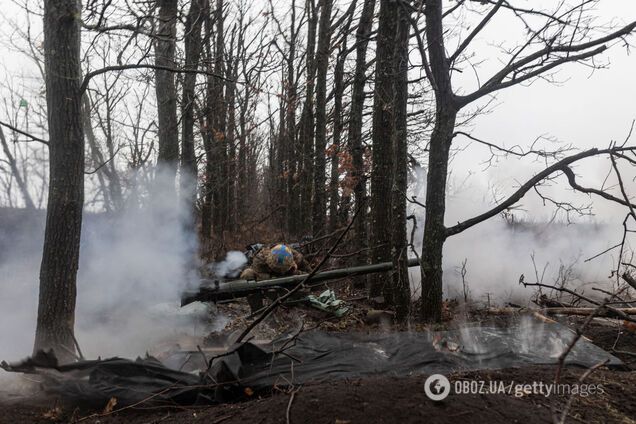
[
  {"x": 629, "y": 279},
  {"x": 605, "y": 311},
  {"x": 289, "y": 405}
]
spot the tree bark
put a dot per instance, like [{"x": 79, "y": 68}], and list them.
[
  {"x": 334, "y": 182},
  {"x": 400, "y": 288},
  {"x": 382, "y": 168},
  {"x": 193, "y": 26},
  {"x": 354, "y": 136},
  {"x": 207, "y": 123},
  {"x": 242, "y": 158},
  {"x": 445, "y": 116},
  {"x": 319, "y": 202},
  {"x": 231, "y": 210},
  {"x": 219, "y": 114},
  {"x": 60, "y": 256},
  {"x": 307, "y": 121},
  {"x": 165, "y": 45},
  {"x": 291, "y": 151}
]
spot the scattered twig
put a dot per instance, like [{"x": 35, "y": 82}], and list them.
[{"x": 289, "y": 405}]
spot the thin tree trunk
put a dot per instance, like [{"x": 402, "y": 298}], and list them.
[
  {"x": 219, "y": 136},
  {"x": 231, "y": 211},
  {"x": 319, "y": 202},
  {"x": 445, "y": 116},
  {"x": 354, "y": 136},
  {"x": 334, "y": 181},
  {"x": 193, "y": 26},
  {"x": 242, "y": 159},
  {"x": 165, "y": 45},
  {"x": 277, "y": 163},
  {"x": 210, "y": 179},
  {"x": 306, "y": 131},
  {"x": 382, "y": 168},
  {"x": 291, "y": 151},
  {"x": 400, "y": 288},
  {"x": 114, "y": 184},
  {"x": 60, "y": 256},
  {"x": 96, "y": 153}
]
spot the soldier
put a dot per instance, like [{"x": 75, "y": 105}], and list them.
[{"x": 278, "y": 261}]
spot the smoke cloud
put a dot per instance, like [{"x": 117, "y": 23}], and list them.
[
  {"x": 132, "y": 272},
  {"x": 498, "y": 253},
  {"x": 230, "y": 267}
]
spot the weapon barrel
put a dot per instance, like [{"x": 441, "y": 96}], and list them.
[{"x": 214, "y": 290}]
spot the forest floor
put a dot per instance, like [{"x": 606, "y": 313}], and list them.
[{"x": 385, "y": 399}]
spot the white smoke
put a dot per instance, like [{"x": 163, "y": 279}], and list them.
[
  {"x": 133, "y": 268},
  {"x": 230, "y": 267},
  {"x": 497, "y": 253}
]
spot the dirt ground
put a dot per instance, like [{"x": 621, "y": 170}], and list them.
[{"x": 387, "y": 400}]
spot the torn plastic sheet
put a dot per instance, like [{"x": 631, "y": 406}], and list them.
[
  {"x": 327, "y": 302},
  {"x": 316, "y": 356}
]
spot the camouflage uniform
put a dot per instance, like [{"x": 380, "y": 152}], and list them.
[{"x": 260, "y": 270}]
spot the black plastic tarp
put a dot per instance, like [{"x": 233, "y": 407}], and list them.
[
  {"x": 311, "y": 356},
  {"x": 319, "y": 356}
]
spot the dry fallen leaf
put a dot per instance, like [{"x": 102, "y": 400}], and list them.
[
  {"x": 112, "y": 402},
  {"x": 629, "y": 326}
]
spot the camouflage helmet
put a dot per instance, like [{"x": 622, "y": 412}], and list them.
[{"x": 280, "y": 259}]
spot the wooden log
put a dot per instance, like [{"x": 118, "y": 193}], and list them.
[{"x": 562, "y": 311}]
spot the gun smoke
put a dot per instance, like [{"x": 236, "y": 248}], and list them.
[
  {"x": 131, "y": 275},
  {"x": 230, "y": 267}
]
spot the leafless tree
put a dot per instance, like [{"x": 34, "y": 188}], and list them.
[{"x": 60, "y": 258}]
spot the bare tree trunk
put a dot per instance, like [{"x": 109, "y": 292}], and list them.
[
  {"x": 319, "y": 202},
  {"x": 292, "y": 161},
  {"x": 242, "y": 159},
  {"x": 400, "y": 290},
  {"x": 354, "y": 136},
  {"x": 109, "y": 169},
  {"x": 382, "y": 169},
  {"x": 95, "y": 152},
  {"x": 60, "y": 256},
  {"x": 165, "y": 45},
  {"x": 231, "y": 138},
  {"x": 219, "y": 136},
  {"x": 194, "y": 23},
  {"x": 306, "y": 131},
  {"x": 445, "y": 116},
  {"x": 334, "y": 181},
  {"x": 277, "y": 163},
  {"x": 211, "y": 177}
]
